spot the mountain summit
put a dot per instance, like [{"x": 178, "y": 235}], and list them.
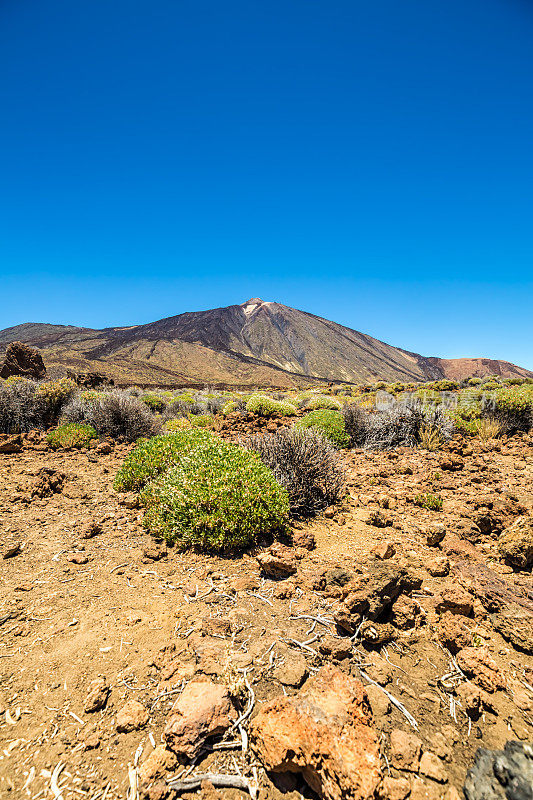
[{"x": 254, "y": 343}]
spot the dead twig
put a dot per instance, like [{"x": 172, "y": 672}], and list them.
[
  {"x": 409, "y": 717},
  {"x": 218, "y": 781}
]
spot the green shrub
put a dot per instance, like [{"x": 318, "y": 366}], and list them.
[
  {"x": 176, "y": 424},
  {"x": 443, "y": 385},
  {"x": 430, "y": 501},
  {"x": 71, "y": 434},
  {"x": 153, "y": 456},
  {"x": 218, "y": 497},
  {"x": 154, "y": 403},
  {"x": 329, "y": 423},
  {"x": 323, "y": 401},
  {"x": 512, "y": 408},
  {"x": 265, "y": 406},
  {"x": 202, "y": 420},
  {"x": 230, "y": 407}
]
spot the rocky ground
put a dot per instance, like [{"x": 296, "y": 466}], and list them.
[{"x": 123, "y": 664}]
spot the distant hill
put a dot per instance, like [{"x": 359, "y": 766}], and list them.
[{"x": 255, "y": 343}]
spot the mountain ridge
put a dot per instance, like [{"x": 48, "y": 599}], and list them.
[{"x": 251, "y": 343}]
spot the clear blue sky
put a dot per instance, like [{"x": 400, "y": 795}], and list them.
[{"x": 370, "y": 161}]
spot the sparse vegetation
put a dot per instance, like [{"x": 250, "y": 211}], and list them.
[
  {"x": 26, "y": 404},
  {"x": 402, "y": 424},
  {"x": 429, "y": 437},
  {"x": 429, "y": 501}
]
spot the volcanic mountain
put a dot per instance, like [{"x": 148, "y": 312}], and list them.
[{"x": 255, "y": 343}]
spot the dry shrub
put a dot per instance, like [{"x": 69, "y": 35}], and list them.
[
  {"x": 487, "y": 428},
  {"x": 429, "y": 437},
  {"x": 114, "y": 414},
  {"x": 306, "y": 464}
]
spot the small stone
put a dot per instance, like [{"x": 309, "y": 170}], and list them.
[
  {"x": 78, "y": 559},
  {"x": 92, "y": 741},
  {"x": 477, "y": 664},
  {"x": 293, "y": 672},
  {"x": 304, "y": 538},
  {"x": 379, "y": 702},
  {"x": 394, "y": 789},
  {"x": 453, "y": 632},
  {"x": 406, "y": 612},
  {"x": 383, "y": 550},
  {"x": 431, "y": 767},
  {"x": 90, "y": 530},
  {"x": 13, "y": 551},
  {"x": 201, "y": 711},
  {"x": 131, "y": 717},
  {"x": 277, "y": 563},
  {"x": 516, "y": 544},
  {"x": 438, "y": 567},
  {"x": 405, "y": 750},
  {"x": 104, "y": 448},
  {"x": 337, "y": 649},
  {"x": 457, "y": 600},
  {"x": 98, "y": 694},
  {"x": 324, "y": 732},
  {"x": 159, "y": 761},
  {"x": 155, "y": 552},
  {"x": 129, "y": 500},
  {"x": 378, "y": 520},
  {"x": 435, "y": 535}
]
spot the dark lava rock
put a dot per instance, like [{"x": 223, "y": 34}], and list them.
[
  {"x": 90, "y": 380},
  {"x": 501, "y": 774},
  {"x": 24, "y": 361}
]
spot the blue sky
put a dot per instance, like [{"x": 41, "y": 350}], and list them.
[{"x": 370, "y": 162}]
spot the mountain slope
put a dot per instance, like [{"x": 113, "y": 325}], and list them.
[{"x": 254, "y": 343}]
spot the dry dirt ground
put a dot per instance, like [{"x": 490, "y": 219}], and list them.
[{"x": 89, "y": 596}]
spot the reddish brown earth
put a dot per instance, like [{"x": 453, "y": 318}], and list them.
[{"x": 96, "y": 616}]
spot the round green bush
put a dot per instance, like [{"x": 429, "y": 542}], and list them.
[
  {"x": 229, "y": 407},
  {"x": 329, "y": 423},
  {"x": 71, "y": 434},
  {"x": 265, "y": 406},
  {"x": 152, "y": 456},
  {"x": 155, "y": 403},
  {"x": 218, "y": 497},
  {"x": 323, "y": 401}
]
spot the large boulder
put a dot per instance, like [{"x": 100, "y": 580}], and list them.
[
  {"x": 23, "y": 361},
  {"x": 325, "y": 733}
]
